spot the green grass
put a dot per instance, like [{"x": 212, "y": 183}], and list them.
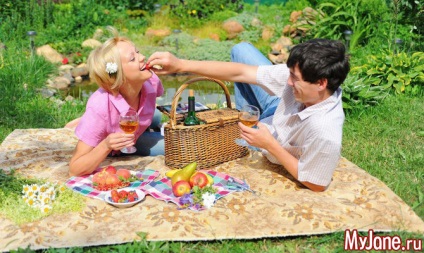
[{"x": 388, "y": 142}]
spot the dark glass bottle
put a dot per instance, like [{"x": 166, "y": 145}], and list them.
[{"x": 191, "y": 118}]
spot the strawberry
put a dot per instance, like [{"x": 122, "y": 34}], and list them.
[
  {"x": 115, "y": 199},
  {"x": 123, "y": 194},
  {"x": 114, "y": 195},
  {"x": 131, "y": 198},
  {"x": 132, "y": 195}
]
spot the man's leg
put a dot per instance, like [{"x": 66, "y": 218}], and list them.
[{"x": 252, "y": 94}]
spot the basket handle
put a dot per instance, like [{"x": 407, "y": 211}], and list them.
[{"x": 172, "y": 115}]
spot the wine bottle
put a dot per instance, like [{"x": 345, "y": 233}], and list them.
[{"x": 191, "y": 118}]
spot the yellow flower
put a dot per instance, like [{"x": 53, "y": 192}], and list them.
[
  {"x": 194, "y": 12},
  {"x": 62, "y": 188},
  {"x": 25, "y": 188},
  {"x": 34, "y": 187},
  {"x": 30, "y": 193},
  {"x": 45, "y": 208},
  {"x": 43, "y": 188},
  {"x": 30, "y": 201}
]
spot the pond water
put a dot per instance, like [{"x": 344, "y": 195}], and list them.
[{"x": 206, "y": 92}]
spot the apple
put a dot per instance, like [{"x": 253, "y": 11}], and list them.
[
  {"x": 180, "y": 188},
  {"x": 110, "y": 169},
  {"x": 199, "y": 179},
  {"x": 123, "y": 173}
]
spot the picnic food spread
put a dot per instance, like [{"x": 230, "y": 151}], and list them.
[{"x": 110, "y": 178}]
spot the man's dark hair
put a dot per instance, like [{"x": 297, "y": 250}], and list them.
[{"x": 321, "y": 58}]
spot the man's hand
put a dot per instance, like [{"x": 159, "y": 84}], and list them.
[
  {"x": 259, "y": 137},
  {"x": 170, "y": 63}
]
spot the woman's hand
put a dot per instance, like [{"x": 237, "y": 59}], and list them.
[
  {"x": 118, "y": 141},
  {"x": 86, "y": 158}
]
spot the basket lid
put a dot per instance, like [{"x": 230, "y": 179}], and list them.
[{"x": 213, "y": 116}]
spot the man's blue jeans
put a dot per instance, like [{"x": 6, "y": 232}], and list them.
[{"x": 247, "y": 94}]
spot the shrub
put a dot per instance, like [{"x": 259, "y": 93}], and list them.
[
  {"x": 203, "y": 9},
  {"x": 400, "y": 71},
  {"x": 358, "y": 94}
]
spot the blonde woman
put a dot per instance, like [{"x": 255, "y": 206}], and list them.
[{"x": 124, "y": 83}]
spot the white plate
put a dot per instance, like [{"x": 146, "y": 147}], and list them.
[{"x": 140, "y": 195}]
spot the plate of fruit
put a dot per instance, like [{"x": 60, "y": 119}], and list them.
[
  {"x": 125, "y": 197},
  {"x": 110, "y": 178}
]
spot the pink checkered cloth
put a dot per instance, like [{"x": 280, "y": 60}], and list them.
[
  {"x": 223, "y": 183},
  {"x": 84, "y": 184},
  {"x": 160, "y": 189}
]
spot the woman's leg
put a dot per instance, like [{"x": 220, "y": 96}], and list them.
[{"x": 252, "y": 94}]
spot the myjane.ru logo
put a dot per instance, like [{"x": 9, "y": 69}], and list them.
[{"x": 354, "y": 241}]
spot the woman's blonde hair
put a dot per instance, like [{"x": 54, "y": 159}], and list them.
[{"x": 99, "y": 57}]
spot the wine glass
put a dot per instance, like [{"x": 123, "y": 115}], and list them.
[
  {"x": 249, "y": 116},
  {"x": 128, "y": 122}
]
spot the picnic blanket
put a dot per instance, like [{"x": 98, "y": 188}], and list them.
[
  {"x": 275, "y": 206},
  {"x": 160, "y": 189}
]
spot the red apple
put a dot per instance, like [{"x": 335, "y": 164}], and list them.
[
  {"x": 199, "y": 179},
  {"x": 180, "y": 188},
  {"x": 110, "y": 169},
  {"x": 123, "y": 174}
]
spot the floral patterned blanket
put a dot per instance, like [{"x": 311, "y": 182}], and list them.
[{"x": 275, "y": 206}]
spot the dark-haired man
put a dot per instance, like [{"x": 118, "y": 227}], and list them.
[{"x": 301, "y": 103}]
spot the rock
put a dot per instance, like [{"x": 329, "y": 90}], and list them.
[
  {"x": 82, "y": 65},
  {"x": 233, "y": 28},
  {"x": 78, "y": 79},
  {"x": 50, "y": 54},
  {"x": 98, "y": 34},
  {"x": 79, "y": 71},
  {"x": 60, "y": 83},
  {"x": 69, "y": 98},
  {"x": 46, "y": 92},
  {"x": 91, "y": 43},
  {"x": 158, "y": 32},
  {"x": 256, "y": 22},
  {"x": 68, "y": 76},
  {"x": 294, "y": 16},
  {"x": 65, "y": 68},
  {"x": 278, "y": 59},
  {"x": 214, "y": 36},
  {"x": 282, "y": 43},
  {"x": 267, "y": 33},
  {"x": 289, "y": 29}
]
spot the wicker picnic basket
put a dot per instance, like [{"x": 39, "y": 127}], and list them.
[{"x": 208, "y": 144}]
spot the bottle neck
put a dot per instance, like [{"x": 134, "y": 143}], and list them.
[{"x": 191, "y": 106}]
